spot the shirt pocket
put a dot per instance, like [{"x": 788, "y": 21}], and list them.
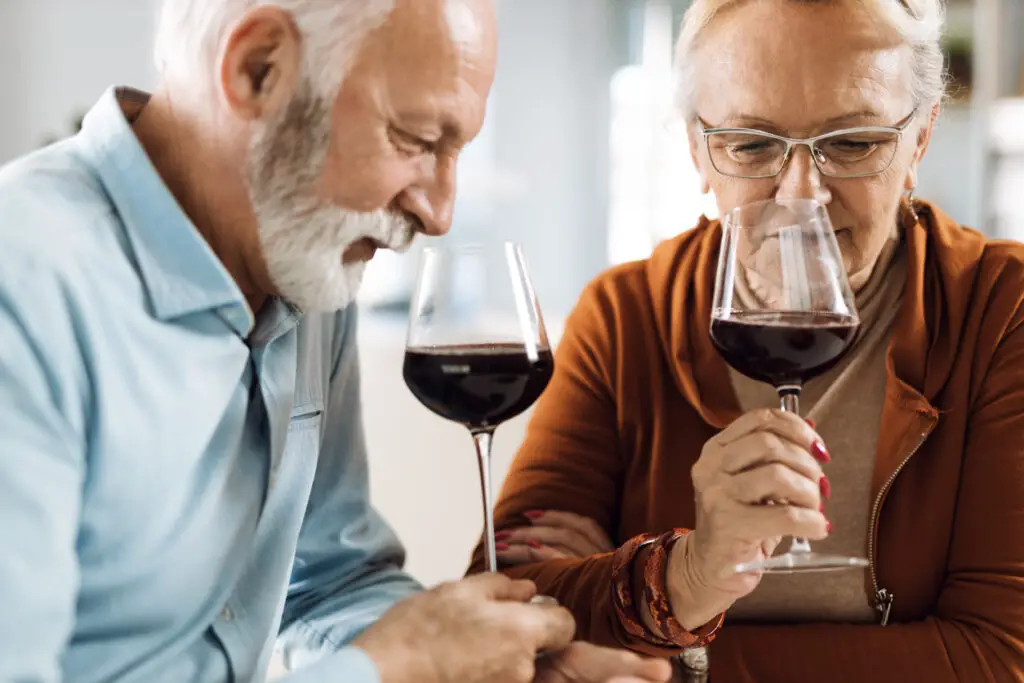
[
  {"x": 303, "y": 440},
  {"x": 305, "y": 417},
  {"x": 301, "y": 448}
]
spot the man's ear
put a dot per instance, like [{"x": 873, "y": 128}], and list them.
[{"x": 261, "y": 63}]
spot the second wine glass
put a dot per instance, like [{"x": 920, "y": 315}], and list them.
[
  {"x": 783, "y": 314},
  {"x": 477, "y": 352}
]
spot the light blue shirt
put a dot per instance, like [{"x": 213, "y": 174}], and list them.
[{"x": 181, "y": 485}]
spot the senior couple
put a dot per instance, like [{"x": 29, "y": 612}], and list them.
[{"x": 183, "y": 483}]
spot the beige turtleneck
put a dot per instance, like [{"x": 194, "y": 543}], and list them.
[{"x": 846, "y": 405}]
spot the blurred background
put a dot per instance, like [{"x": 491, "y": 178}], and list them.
[{"x": 578, "y": 162}]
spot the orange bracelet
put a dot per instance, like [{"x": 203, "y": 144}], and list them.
[
  {"x": 655, "y": 594},
  {"x": 656, "y": 597},
  {"x": 622, "y": 589}
]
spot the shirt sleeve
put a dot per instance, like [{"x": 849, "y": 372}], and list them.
[
  {"x": 41, "y": 474},
  {"x": 348, "y": 566}
]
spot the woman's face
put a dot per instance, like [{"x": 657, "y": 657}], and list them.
[{"x": 801, "y": 70}]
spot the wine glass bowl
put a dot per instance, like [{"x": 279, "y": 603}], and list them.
[
  {"x": 783, "y": 314},
  {"x": 477, "y": 352}
]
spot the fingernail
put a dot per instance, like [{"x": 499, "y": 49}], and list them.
[
  {"x": 826, "y": 487},
  {"x": 536, "y": 545},
  {"x": 810, "y": 423},
  {"x": 819, "y": 451},
  {"x": 501, "y": 546},
  {"x": 534, "y": 514},
  {"x": 828, "y": 527},
  {"x": 502, "y": 535}
]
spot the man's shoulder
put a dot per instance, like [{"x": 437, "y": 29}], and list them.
[{"x": 56, "y": 218}]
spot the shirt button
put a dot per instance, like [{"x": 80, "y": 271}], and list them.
[{"x": 227, "y": 614}]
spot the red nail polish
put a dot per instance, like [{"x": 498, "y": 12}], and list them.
[
  {"x": 819, "y": 451},
  {"x": 826, "y": 487},
  {"x": 502, "y": 535},
  {"x": 534, "y": 514},
  {"x": 501, "y": 546},
  {"x": 536, "y": 545},
  {"x": 810, "y": 423},
  {"x": 822, "y": 508},
  {"x": 828, "y": 527}
]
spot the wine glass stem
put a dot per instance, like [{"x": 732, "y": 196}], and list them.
[
  {"x": 790, "y": 403},
  {"x": 482, "y": 439}
]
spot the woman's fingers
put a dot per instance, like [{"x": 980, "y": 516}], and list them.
[
  {"x": 787, "y": 426},
  {"x": 764, "y": 448},
  {"x": 755, "y": 523},
  {"x": 569, "y": 539},
  {"x": 511, "y": 555},
  {"x": 584, "y": 526},
  {"x": 777, "y": 483}
]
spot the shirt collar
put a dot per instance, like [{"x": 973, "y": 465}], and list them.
[{"x": 181, "y": 273}]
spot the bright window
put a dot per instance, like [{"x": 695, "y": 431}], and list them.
[{"x": 655, "y": 192}]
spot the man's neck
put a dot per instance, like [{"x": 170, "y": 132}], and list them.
[{"x": 206, "y": 179}]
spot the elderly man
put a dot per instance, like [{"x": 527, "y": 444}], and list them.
[{"x": 182, "y": 472}]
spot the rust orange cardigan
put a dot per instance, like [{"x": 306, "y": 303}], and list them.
[{"x": 638, "y": 389}]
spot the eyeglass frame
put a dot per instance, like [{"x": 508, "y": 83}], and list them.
[{"x": 809, "y": 143}]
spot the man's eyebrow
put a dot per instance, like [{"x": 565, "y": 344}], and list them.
[{"x": 449, "y": 127}]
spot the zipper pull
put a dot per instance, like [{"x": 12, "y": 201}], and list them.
[{"x": 883, "y": 603}]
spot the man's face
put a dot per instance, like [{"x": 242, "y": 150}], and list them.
[{"x": 334, "y": 178}]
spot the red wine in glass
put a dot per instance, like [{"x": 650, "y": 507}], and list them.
[
  {"x": 477, "y": 351},
  {"x": 783, "y": 348},
  {"x": 479, "y": 387},
  {"x": 783, "y": 314}
]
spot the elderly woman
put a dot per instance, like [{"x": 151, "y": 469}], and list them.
[{"x": 639, "y": 486}]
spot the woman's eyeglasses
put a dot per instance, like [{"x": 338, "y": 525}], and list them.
[{"x": 849, "y": 153}]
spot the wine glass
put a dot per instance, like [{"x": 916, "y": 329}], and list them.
[
  {"x": 477, "y": 351},
  {"x": 783, "y": 314}
]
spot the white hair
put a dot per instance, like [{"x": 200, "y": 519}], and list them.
[
  {"x": 190, "y": 34},
  {"x": 919, "y": 23}
]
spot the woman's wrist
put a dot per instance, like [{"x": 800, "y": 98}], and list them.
[{"x": 693, "y": 603}]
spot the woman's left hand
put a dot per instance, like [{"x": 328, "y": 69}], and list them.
[{"x": 553, "y": 534}]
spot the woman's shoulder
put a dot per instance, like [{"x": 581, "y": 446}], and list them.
[
  {"x": 634, "y": 285},
  {"x": 993, "y": 266}
]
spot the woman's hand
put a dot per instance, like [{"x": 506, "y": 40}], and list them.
[
  {"x": 552, "y": 535},
  {"x": 758, "y": 480}
]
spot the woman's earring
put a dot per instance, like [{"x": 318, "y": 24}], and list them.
[{"x": 910, "y": 202}]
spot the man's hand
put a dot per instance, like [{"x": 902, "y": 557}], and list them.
[
  {"x": 586, "y": 663},
  {"x": 478, "y": 630}
]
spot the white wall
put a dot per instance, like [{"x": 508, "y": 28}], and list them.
[
  {"x": 58, "y": 56},
  {"x": 949, "y": 174},
  {"x": 556, "y": 60}
]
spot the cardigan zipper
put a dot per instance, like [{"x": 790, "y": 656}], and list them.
[{"x": 884, "y": 597}]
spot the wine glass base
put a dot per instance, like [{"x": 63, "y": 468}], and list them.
[{"x": 799, "y": 563}]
